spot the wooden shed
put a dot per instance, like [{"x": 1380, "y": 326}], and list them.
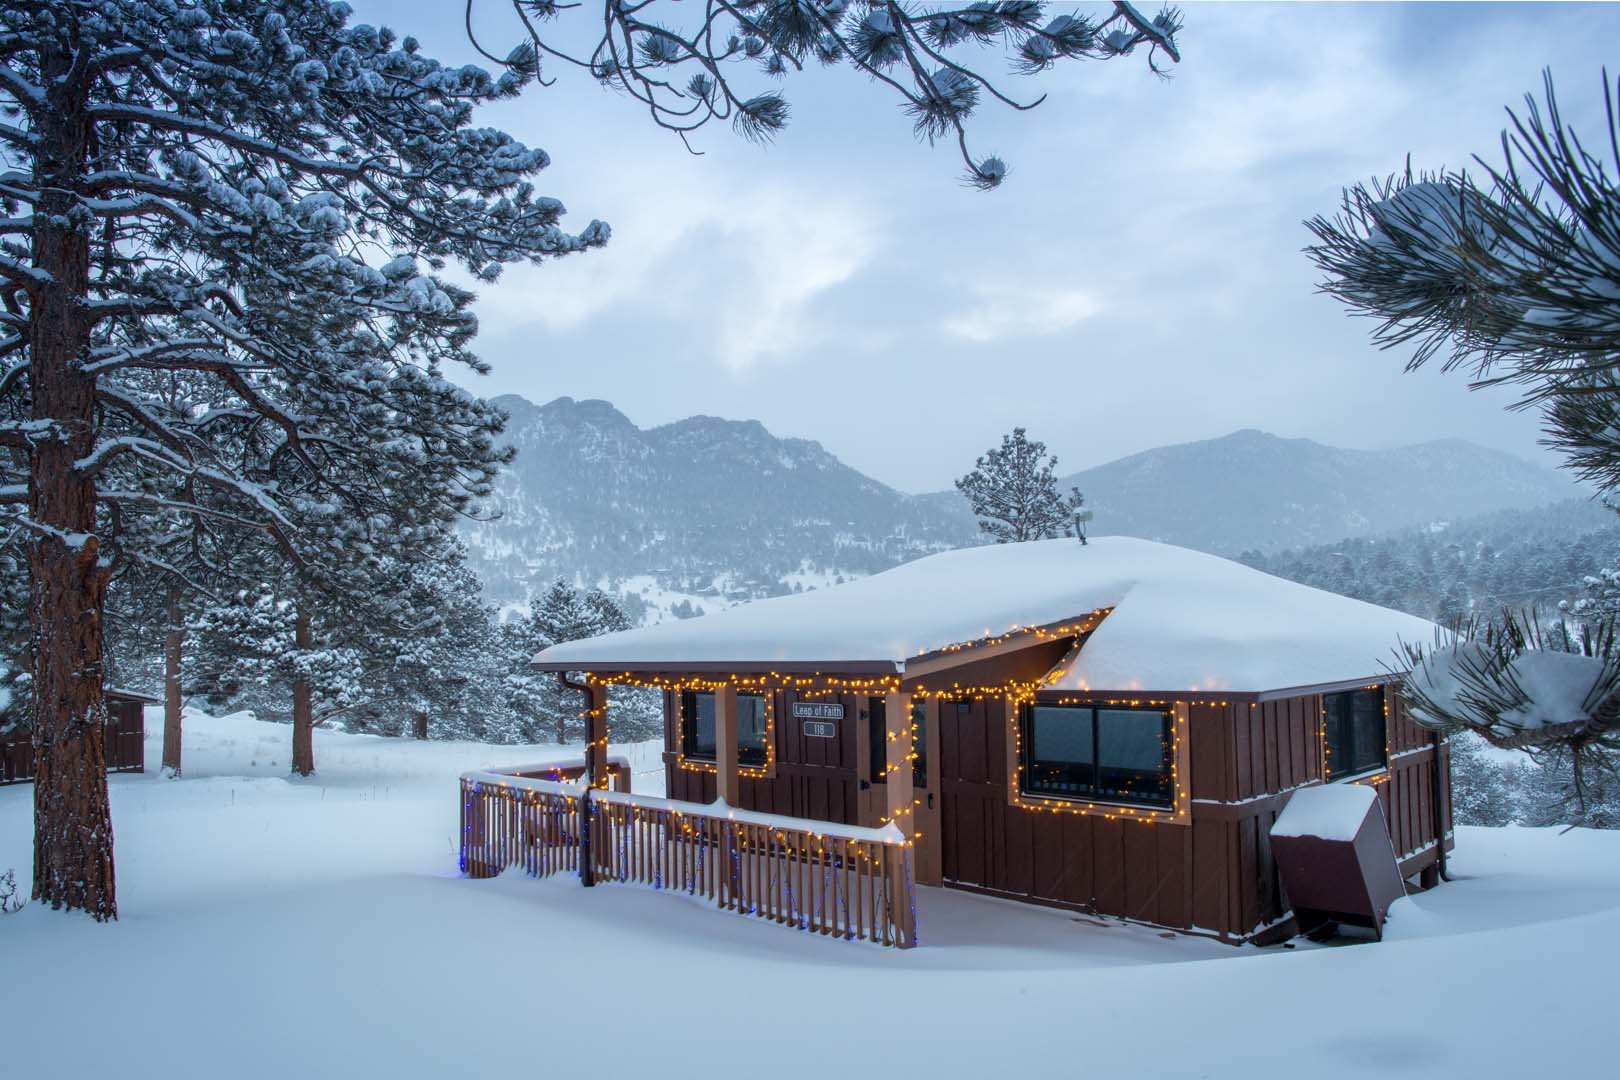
[
  {"x": 1109, "y": 727},
  {"x": 124, "y": 739}
]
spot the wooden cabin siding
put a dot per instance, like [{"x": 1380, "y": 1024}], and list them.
[
  {"x": 1215, "y": 874},
  {"x": 813, "y": 778}
]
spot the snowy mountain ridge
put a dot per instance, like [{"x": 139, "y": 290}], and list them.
[{"x": 706, "y": 511}]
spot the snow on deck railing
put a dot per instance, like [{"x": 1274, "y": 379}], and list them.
[{"x": 846, "y": 881}]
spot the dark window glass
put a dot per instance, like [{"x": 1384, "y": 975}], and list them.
[
  {"x": 750, "y": 729},
  {"x": 877, "y": 735},
  {"x": 1060, "y": 753},
  {"x": 1112, "y": 755},
  {"x": 1134, "y": 756},
  {"x": 1353, "y": 732},
  {"x": 919, "y": 742},
  {"x": 697, "y": 727},
  {"x": 877, "y": 713}
]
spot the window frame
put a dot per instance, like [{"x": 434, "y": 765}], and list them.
[
  {"x": 751, "y": 761},
  {"x": 1382, "y": 714},
  {"x": 1173, "y": 719}
]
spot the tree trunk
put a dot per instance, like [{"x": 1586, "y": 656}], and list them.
[
  {"x": 562, "y": 733},
  {"x": 419, "y": 724},
  {"x": 303, "y": 753},
  {"x": 172, "y": 639},
  {"x": 73, "y": 840}
]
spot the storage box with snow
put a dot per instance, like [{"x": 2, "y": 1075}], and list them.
[{"x": 1110, "y": 727}]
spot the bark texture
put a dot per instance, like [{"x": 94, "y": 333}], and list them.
[
  {"x": 73, "y": 841},
  {"x": 303, "y": 753},
  {"x": 173, "y": 641}
]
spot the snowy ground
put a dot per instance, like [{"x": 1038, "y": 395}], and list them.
[{"x": 320, "y": 928}]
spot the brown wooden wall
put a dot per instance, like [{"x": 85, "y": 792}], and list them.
[
  {"x": 125, "y": 744},
  {"x": 1215, "y": 874},
  {"x": 815, "y": 778}
]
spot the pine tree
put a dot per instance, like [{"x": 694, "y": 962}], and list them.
[
  {"x": 199, "y": 192},
  {"x": 1013, "y": 492},
  {"x": 677, "y": 68},
  {"x": 1512, "y": 280},
  {"x": 1483, "y": 791}
]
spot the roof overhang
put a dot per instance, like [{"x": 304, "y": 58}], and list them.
[
  {"x": 1240, "y": 696},
  {"x": 723, "y": 667}
]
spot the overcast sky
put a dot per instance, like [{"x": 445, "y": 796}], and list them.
[{"x": 1138, "y": 280}]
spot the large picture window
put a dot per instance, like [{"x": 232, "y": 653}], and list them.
[
  {"x": 1091, "y": 753},
  {"x": 1353, "y": 733},
  {"x": 697, "y": 727},
  {"x": 877, "y": 714}
]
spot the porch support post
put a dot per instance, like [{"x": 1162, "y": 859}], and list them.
[
  {"x": 728, "y": 785},
  {"x": 596, "y": 735},
  {"x": 897, "y": 761},
  {"x": 592, "y": 838}
]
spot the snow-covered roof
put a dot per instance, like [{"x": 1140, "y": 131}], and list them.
[{"x": 1180, "y": 620}]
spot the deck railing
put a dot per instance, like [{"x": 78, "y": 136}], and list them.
[{"x": 824, "y": 878}]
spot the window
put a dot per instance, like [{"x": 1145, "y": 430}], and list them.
[
  {"x": 877, "y": 713},
  {"x": 1111, "y": 755},
  {"x": 697, "y": 727},
  {"x": 1353, "y": 733}
]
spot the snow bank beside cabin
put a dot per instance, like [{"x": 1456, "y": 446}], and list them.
[{"x": 1182, "y": 620}]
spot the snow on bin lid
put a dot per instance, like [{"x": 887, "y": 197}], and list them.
[
  {"x": 1181, "y": 620},
  {"x": 1326, "y": 811}
]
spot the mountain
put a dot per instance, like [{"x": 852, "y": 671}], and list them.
[
  {"x": 701, "y": 508},
  {"x": 707, "y": 511},
  {"x": 1254, "y": 491}
]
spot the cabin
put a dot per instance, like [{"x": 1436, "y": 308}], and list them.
[
  {"x": 1110, "y": 727},
  {"x": 124, "y": 739}
]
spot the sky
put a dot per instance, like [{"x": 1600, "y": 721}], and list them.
[{"x": 1138, "y": 280}]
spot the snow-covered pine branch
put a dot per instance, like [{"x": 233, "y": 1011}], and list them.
[
  {"x": 225, "y": 334},
  {"x": 1552, "y": 690},
  {"x": 680, "y": 65}
]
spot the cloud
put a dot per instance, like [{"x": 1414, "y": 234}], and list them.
[
  {"x": 1009, "y": 311},
  {"x": 736, "y": 265}
]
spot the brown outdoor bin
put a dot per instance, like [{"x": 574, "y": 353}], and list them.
[{"x": 1335, "y": 857}]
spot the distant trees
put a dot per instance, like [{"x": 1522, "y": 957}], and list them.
[
  {"x": 1013, "y": 492},
  {"x": 539, "y": 706}
]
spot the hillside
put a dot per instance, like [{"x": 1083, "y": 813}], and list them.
[
  {"x": 1254, "y": 491},
  {"x": 700, "y": 507},
  {"x": 706, "y": 511}
]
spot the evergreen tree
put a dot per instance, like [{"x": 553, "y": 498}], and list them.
[
  {"x": 243, "y": 195},
  {"x": 1013, "y": 492},
  {"x": 1513, "y": 280},
  {"x": 537, "y": 700},
  {"x": 677, "y": 68},
  {"x": 1482, "y": 791}
]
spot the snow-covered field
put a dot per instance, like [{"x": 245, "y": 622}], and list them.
[{"x": 320, "y": 928}]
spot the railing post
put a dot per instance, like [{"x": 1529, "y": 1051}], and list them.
[
  {"x": 587, "y": 858},
  {"x": 474, "y": 832}
]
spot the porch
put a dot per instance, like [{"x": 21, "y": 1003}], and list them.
[{"x": 581, "y": 819}]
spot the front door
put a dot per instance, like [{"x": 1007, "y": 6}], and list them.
[{"x": 923, "y": 779}]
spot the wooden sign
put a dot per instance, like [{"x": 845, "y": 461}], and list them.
[
  {"x": 818, "y": 710},
  {"x": 820, "y": 729}
]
